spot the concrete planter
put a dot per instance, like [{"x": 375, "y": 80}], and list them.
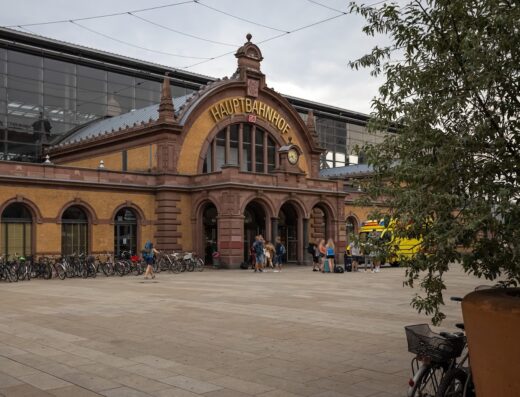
[{"x": 492, "y": 321}]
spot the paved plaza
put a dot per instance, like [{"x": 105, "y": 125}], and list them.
[{"x": 227, "y": 333}]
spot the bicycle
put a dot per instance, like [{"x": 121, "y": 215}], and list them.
[{"x": 436, "y": 354}]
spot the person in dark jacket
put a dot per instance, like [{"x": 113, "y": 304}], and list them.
[{"x": 280, "y": 253}]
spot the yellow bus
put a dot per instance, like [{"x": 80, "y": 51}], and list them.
[{"x": 403, "y": 248}]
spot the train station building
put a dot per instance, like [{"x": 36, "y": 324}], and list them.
[{"x": 202, "y": 171}]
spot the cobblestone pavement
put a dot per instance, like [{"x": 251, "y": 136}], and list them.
[{"x": 223, "y": 333}]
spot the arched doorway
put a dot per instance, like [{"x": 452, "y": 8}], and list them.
[
  {"x": 210, "y": 225},
  {"x": 321, "y": 223},
  {"x": 254, "y": 224},
  {"x": 288, "y": 230},
  {"x": 351, "y": 226},
  {"x": 125, "y": 231},
  {"x": 74, "y": 231},
  {"x": 16, "y": 230}
]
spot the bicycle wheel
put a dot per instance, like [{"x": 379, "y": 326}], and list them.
[
  {"x": 60, "y": 270},
  {"x": 190, "y": 265},
  {"x": 427, "y": 384},
  {"x": 199, "y": 264},
  {"x": 453, "y": 383}
]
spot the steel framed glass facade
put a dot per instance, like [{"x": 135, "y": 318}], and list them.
[{"x": 42, "y": 98}]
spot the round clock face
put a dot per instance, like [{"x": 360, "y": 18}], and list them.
[{"x": 292, "y": 156}]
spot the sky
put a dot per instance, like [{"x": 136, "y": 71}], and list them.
[{"x": 311, "y": 63}]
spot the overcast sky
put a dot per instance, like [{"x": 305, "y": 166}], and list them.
[{"x": 311, "y": 63}]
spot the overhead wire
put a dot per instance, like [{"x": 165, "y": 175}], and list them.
[
  {"x": 102, "y": 15},
  {"x": 135, "y": 45},
  {"x": 179, "y": 32},
  {"x": 325, "y": 6},
  {"x": 237, "y": 17}
]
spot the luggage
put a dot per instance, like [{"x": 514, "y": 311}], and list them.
[
  {"x": 326, "y": 267},
  {"x": 348, "y": 262},
  {"x": 339, "y": 269}
]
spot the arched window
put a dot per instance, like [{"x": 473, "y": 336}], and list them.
[
  {"x": 74, "y": 231},
  {"x": 245, "y": 145},
  {"x": 125, "y": 231},
  {"x": 16, "y": 230},
  {"x": 351, "y": 226}
]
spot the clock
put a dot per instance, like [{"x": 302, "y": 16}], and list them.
[{"x": 293, "y": 156}]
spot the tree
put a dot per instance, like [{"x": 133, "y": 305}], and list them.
[{"x": 450, "y": 173}]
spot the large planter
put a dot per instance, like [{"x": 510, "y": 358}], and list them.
[{"x": 492, "y": 321}]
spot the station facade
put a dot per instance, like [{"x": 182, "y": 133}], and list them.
[{"x": 205, "y": 171}]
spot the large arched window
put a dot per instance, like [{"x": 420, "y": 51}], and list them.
[
  {"x": 16, "y": 230},
  {"x": 74, "y": 231},
  {"x": 245, "y": 145}
]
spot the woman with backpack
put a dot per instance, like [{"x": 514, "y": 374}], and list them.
[
  {"x": 331, "y": 255},
  {"x": 280, "y": 252},
  {"x": 148, "y": 253}
]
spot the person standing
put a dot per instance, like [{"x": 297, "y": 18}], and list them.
[
  {"x": 259, "y": 253},
  {"x": 269, "y": 254},
  {"x": 148, "y": 254},
  {"x": 313, "y": 250},
  {"x": 280, "y": 253},
  {"x": 331, "y": 255},
  {"x": 322, "y": 252},
  {"x": 356, "y": 254}
]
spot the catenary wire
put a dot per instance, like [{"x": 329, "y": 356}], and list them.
[
  {"x": 103, "y": 15},
  {"x": 179, "y": 32},
  {"x": 325, "y": 6},
  {"x": 134, "y": 45},
  {"x": 237, "y": 17}
]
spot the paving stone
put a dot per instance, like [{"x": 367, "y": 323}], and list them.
[
  {"x": 295, "y": 333},
  {"x": 44, "y": 381},
  {"x": 123, "y": 392}
]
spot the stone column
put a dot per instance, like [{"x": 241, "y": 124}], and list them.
[
  {"x": 307, "y": 260},
  {"x": 230, "y": 240},
  {"x": 167, "y": 232},
  {"x": 274, "y": 229}
]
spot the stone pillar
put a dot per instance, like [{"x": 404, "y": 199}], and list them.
[
  {"x": 274, "y": 229},
  {"x": 307, "y": 259},
  {"x": 231, "y": 240},
  {"x": 167, "y": 232}
]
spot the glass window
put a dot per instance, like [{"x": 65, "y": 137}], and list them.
[
  {"x": 220, "y": 150},
  {"x": 120, "y": 94},
  {"x": 74, "y": 231},
  {"x": 246, "y": 151},
  {"x": 259, "y": 150},
  {"x": 233, "y": 144},
  {"x": 271, "y": 154},
  {"x": 125, "y": 232},
  {"x": 16, "y": 230}
]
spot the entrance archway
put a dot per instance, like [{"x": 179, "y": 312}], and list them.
[
  {"x": 321, "y": 222},
  {"x": 254, "y": 224},
  {"x": 17, "y": 224},
  {"x": 125, "y": 231},
  {"x": 210, "y": 236},
  {"x": 288, "y": 230}
]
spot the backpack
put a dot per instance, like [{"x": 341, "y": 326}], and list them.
[
  {"x": 330, "y": 251},
  {"x": 310, "y": 249},
  {"x": 148, "y": 250},
  {"x": 339, "y": 269}
]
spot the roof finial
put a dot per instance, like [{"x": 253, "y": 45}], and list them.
[
  {"x": 166, "y": 109},
  {"x": 249, "y": 36}
]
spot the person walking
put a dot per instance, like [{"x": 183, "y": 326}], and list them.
[
  {"x": 322, "y": 251},
  {"x": 148, "y": 254},
  {"x": 280, "y": 253},
  {"x": 331, "y": 255}
]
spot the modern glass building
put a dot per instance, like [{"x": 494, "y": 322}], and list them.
[{"x": 48, "y": 88}]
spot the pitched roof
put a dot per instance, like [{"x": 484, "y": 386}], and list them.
[{"x": 106, "y": 125}]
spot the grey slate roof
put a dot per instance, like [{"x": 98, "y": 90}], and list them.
[
  {"x": 106, "y": 125},
  {"x": 348, "y": 170}
]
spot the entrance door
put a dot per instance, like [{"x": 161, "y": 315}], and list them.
[
  {"x": 288, "y": 231},
  {"x": 125, "y": 232},
  {"x": 254, "y": 224},
  {"x": 209, "y": 221}
]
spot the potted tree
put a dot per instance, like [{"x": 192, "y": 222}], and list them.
[{"x": 449, "y": 169}]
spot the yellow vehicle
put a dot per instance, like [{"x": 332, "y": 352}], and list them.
[{"x": 403, "y": 248}]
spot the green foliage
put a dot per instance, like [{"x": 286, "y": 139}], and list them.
[{"x": 450, "y": 173}]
